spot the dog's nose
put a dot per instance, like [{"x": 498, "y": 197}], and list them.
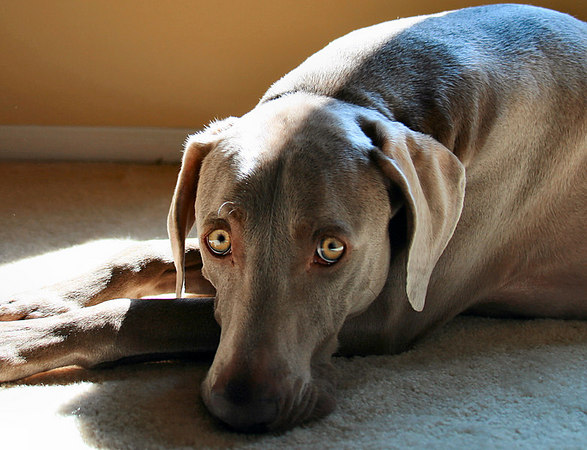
[{"x": 244, "y": 404}]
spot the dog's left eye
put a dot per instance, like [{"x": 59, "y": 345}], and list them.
[
  {"x": 329, "y": 250},
  {"x": 219, "y": 242}
]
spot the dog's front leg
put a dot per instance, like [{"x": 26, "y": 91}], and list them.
[
  {"x": 141, "y": 269},
  {"x": 110, "y": 331}
]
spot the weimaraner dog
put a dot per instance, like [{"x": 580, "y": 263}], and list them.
[{"x": 406, "y": 173}]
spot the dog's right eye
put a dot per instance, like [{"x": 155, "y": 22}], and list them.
[
  {"x": 329, "y": 250},
  {"x": 219, "y": 242}
]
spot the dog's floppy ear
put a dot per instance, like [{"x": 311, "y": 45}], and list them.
[
  {"x": 182, "y": 215},
  {"x": 432, "y": 181}
]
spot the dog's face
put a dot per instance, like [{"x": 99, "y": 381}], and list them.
[
  {"x": 292, "y": 212},
  {"x": 292, "y": 227}
]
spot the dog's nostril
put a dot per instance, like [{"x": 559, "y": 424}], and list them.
[{"x": 239, "y": 392}]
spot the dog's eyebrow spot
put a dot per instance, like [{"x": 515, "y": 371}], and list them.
[
  {"x": 233, "y": 209},
  {"x": 227, "y": 210}
]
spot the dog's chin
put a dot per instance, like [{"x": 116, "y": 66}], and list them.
[{"x": 313, "y": 401}]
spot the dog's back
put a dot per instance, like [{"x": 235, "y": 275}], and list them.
[{"x": 448, "y": 75}]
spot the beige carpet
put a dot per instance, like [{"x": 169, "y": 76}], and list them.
[{"x": 477, "y": 383}]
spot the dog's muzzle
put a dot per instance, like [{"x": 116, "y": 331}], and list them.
[
  {"x": 243, "y": 405},
  {"x": 257, "y": 401}
]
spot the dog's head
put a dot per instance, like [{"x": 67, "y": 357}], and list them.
[{"x": 292, "y": 211}]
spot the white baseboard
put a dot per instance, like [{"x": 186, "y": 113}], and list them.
[{"x": 124, "y": 144}]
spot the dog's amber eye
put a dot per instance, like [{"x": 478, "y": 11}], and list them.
[
  {"x": 219, "y": 242},
  {"x": 330, "y": 250}
]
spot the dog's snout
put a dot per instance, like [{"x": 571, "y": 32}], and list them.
[
  {"x": 240, "y": 391},
  {"x": 254, "y": 416},
  {"x": 244, "y": 403}
]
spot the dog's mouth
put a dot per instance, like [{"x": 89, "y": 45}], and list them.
[
  {"x": 315, "y": 401},
  {"x": 237, "y": 408}
]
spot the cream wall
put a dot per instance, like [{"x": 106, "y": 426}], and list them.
[{"x": 141, "y": 63}]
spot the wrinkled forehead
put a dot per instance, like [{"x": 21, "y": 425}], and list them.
[
  {"x": 300, "y": 163},
  {"x": 293, "y": 126}
]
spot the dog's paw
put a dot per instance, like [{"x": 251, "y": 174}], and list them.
[
  {"x": 10, "y": 359},
  {"x": 33, "y": 305},
  {"x": 20, "y": 346},
  {"x": 83, "y": 337},
  {"x": 33, "y": 346}
]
